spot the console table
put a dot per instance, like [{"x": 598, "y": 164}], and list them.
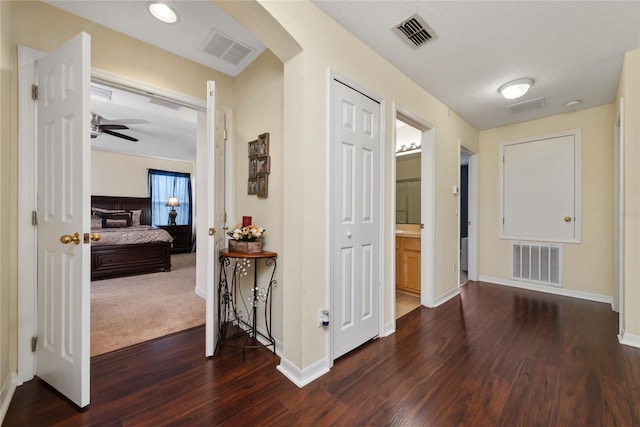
[{"x": 231, "y": 299}]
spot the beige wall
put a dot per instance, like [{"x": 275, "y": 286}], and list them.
[
  {"x": 588, "y": 267},
  {"x": 629, "y": 91},
  {"x": 306, "y": 139},
  {"x": 259, "y": 107},
  {"x": 8, "y": 300},
  {"x": 130, "y": 177},
  {"x": 40, "y": 26}
]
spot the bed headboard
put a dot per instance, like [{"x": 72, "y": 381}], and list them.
[{"x": 126, "y": 204}]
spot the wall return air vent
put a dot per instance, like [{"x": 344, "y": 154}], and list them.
[
  {"x": 537, "y": 263},
  {"x": 414, "y": 31}
]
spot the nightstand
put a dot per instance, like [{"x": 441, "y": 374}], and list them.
[{"x": 181, "y": 237}]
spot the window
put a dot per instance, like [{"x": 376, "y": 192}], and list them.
[{"x": 165, "y": 184}]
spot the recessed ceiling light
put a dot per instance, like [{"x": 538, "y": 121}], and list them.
[
  {"x": 162, "y": 12},
  {"x": 572, "y": 103},
  {"x": 516, "y": 88}
]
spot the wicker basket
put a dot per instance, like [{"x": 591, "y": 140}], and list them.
[{"x": 245, "y": 246}]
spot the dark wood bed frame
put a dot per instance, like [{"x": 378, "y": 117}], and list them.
[{"x": 125, "y": 260}]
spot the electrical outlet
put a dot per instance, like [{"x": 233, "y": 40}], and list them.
[{"x": 323, "y": 318}]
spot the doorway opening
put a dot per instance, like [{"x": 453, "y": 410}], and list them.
[
  {"x": 165, "y": 133},
  {"x": 408, "y": 143},
  {"x": 464, "y": 216}
]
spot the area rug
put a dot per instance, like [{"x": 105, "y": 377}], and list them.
[{"x": 130, "y": 310}]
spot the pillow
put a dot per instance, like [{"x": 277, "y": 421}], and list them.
[
  {"x": 96, "y": 221},
  {"x": 99, "y": 211},
  {"x": 135, "y": 216},
  {"x": 116, "y": 220}
]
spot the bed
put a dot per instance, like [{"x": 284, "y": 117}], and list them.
[{"x": 129, "y": 245}]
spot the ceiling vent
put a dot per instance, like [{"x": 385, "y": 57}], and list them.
[
  {"x": 225, "y": 48},
  {"x": 164, "y": 103},
  {"x": 98, "y": 92},
  {"x": 527, "y": 105},
  {"x": 414, "y": 31}
]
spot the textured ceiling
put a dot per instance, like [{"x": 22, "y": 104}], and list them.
[{"x": 572, "y": 49}]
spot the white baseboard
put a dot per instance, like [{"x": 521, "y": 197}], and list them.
[
  {"x": 629, "y": 339},
  {"x": 446, "y": 296},
  {"x": 6, "y": 394},
  {"x": 202, "y": 294},
  {"x": 305, "y": 376},
  {"x": 548, "y": 289}
]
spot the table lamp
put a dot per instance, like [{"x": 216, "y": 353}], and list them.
[{"x": 173, "y": 202}]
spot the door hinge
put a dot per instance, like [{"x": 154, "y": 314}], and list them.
[
  {"x": 502, "y": 220},
  {"x": 225, "y": 217},
  {"x": 34, "y": 344},
  {"x": 34, "y": 92},
  {"x": 34, "y": 218}
]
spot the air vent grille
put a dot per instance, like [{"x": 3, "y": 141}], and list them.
[
  {"x": 164, "y": 103},
  {"x": 414, "y": 31},
  {"x": 225, "y": 48},
  {"x": 537, "y": 263},
  {"x": 527, "y": 105}
]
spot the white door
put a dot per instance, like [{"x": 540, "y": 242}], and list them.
[
  {"x": 215, "y": 211},
  {"x": 63, "y": 210},
  {"x": 356, "y": 220},
  {"x": 539, "y": 189}
]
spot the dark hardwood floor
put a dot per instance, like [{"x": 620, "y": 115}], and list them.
[{"x": 494, "y": 356}]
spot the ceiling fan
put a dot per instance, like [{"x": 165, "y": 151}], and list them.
[{"x": 100, "y": 125}]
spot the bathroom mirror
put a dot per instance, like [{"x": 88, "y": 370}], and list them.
[{"x": 408, "y": 201}]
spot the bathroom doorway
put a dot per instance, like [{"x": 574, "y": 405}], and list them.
[{"x": 408, "y": 217}]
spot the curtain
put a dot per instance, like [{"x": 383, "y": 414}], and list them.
[{"x": 165, "y": 184}]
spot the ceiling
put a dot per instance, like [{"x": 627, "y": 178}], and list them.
[
  {"x": 170, "y": 131},
  {"x": 572, "y": 49}
]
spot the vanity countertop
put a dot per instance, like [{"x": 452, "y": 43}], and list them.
[{"x": 408, "y": 233}]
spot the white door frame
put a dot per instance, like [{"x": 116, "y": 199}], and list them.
[
  {"x": 27, "y": 182},
  {"x": 427, "y": 208},
  {"x": 472, "y": 212},
  {"x": 618, "y": 213},
  {"x": 333, "y": 75}
]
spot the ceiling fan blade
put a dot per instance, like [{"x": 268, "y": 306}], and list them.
[
  {"x": 119, "y": 135},
  {"x": 104, "y": 121},
  {"x": 103, "y": 126}
]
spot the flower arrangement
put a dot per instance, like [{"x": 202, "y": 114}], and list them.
[{"x": 248, "y": 233}]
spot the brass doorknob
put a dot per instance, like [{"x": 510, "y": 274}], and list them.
[
  {"x": 567, "y": 219},
  {"x": 212, "y": 231},
  {"x": 65, "y": 238},
  {"x": 95, "y": 237}
]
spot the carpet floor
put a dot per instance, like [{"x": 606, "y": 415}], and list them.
[{"x": 130, "y": 310}]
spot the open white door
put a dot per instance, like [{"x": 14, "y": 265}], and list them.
[
  {"x": 64, "y": 165},
  {"x": 215, "y": 218}
]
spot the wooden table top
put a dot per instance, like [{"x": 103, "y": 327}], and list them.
[{"x": 234, "y": 254}]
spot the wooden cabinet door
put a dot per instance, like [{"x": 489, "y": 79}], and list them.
[
  {"x": 408, "y": 263},
  {"x": 411, "y": 273}
]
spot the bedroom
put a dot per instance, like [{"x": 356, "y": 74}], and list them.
[
  {"x": 138, "y": 62},
  {"x": 158, "y": 302}
]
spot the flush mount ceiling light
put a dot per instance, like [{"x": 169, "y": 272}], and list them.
[
  {"x": 162, "y": 12},
  {"x": 516, "y": 88}
]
